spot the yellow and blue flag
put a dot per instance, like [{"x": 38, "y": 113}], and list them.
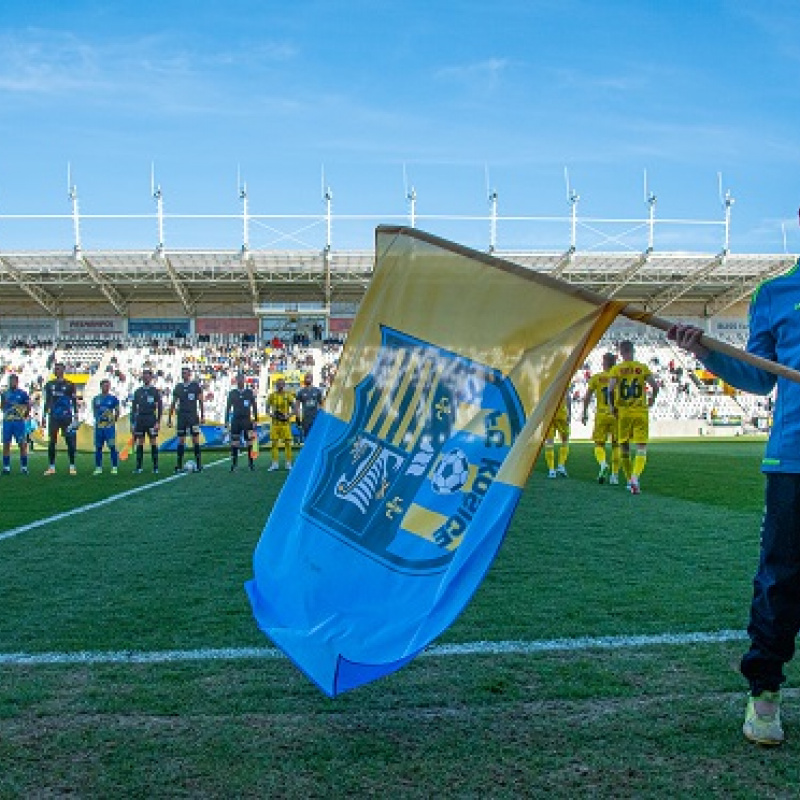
[{"x": 403, "y": 493}]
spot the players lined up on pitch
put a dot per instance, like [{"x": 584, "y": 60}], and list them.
[
  {"x": 621, "y": 418},
  {"x": 241, "y": 415}
]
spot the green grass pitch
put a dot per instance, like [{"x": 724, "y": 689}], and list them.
[{"x": 162, "y": 570}]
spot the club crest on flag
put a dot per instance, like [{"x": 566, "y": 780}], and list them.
[{"x": 428, "y": 434}]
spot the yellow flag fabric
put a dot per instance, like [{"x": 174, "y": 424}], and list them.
[
  {"x": 402, "y": 495},
  {"x": 533, "y": 329}
]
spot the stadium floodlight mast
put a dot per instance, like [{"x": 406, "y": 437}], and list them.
[
  {"x": 492, "y": 198},
  {"x": 72, "y": 194},
  {"x": 572, "y": 198},
  {"x": 411, "y": 196},
  {"x": 651, "y": 200},
  {"x": 242, "y": 189},
  {"x": 327, "y": 197},
  {"x": 727, "y": 202},
  {"x": 158, "y": 196}
]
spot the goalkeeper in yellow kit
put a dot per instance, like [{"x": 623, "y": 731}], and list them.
[{"x": 280, "y": 404}]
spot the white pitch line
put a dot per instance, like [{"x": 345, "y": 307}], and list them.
[
  {"x": 98, "y": 504},
  {"x": 465, "y": 649}
]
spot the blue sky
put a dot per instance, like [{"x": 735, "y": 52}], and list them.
[{"x": 450, "y": 91}]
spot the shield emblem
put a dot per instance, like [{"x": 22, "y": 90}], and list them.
[{"x": 429, "y": 432}]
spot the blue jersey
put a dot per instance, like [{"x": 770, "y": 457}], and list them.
[
  {"x": 774, "y": 335},
  {"x": 104, "y": 407},
  {"x": 15, "y": 405}
]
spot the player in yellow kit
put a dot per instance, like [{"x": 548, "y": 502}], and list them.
[
  {"x": 629, "y": 401},
  {"x": 280, "y": 405},
  {"x": 605, "y": 423},
  {"x": 560, "y": 426}
]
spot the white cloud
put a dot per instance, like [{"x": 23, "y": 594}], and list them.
[
  {"x": 481, "y": 74},
  {"x": 153, "y": 69}
]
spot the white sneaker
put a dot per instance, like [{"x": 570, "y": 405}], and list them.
[
  {"x": 633, "y": 485},
  {"x": 562, "y": 471},
  {"x": 288, "y": 465},
  {"x": 273, "y": 466},
  {"x": 552, "y": 474},
  {"x": 762, "y": 723},
  {"x": 98, "y": 471},
  {"x": 613, "y": 479}
]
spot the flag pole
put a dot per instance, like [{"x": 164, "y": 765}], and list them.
[{"x": 782, "y": 371}]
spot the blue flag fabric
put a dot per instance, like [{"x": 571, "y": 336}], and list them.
[{"x": 401, "y": 497}]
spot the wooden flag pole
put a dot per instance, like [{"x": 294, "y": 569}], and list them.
[{"x": 715, "y": 344}]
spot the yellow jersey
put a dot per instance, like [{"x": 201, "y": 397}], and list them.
[
  {"x": 630, "y": 393},
  {"x": 599, "y": 385},
  {"x": 280, "y": 405}
]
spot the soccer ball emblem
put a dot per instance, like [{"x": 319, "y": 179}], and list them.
[
  {"x": 451, "y": 473},
  {"x": 190, "y": 466}
]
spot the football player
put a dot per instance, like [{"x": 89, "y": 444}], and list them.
[
  {"x": 16, "y": 405},
  {"x": 560, "y": 426},
  {"x": 60, "y": 415},
  {"x": 605, "y": 423},
  {"x": 105, "y": 407},
  {"x": 629, "y": 401},
  {"x": 279, "y": 408}
]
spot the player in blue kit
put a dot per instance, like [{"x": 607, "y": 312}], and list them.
[
  {"x": 16, "y": 405},
  {"x": 775, "y": 605},
  {"x": 60, "y": 415},
  {"x": 105, "y": 407}
]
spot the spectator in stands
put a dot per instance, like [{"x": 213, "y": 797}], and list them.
[{"x": 775, "y": 606}]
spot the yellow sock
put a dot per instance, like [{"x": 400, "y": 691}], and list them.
[
  {"x": 638, "y": 464},
  {"x": 275, "y": 452},
  {"x": 600, "y": 454},
  {"x": 550, "y": 456},
  {"x": 615, "y": 459},
  {"x": 626, "y": 465},
  {"x": 563, "y": 455},
  {"x": 288, "y": 453}
]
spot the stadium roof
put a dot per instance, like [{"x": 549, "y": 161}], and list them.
[{"x": 57, "y": 283}]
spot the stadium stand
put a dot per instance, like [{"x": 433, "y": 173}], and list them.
[
  {"x": 687, "y": 393},
  {"x": 187, "y": 295}
]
